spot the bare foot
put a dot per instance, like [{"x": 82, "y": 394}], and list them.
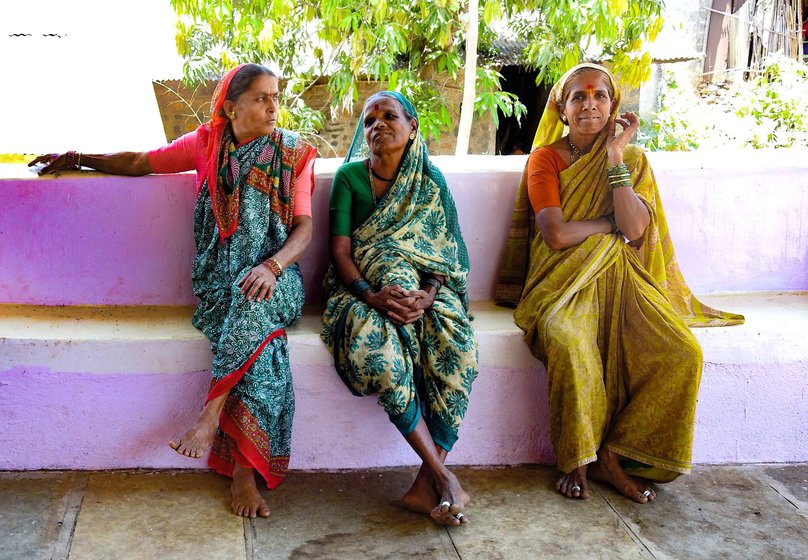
[
  {"x": 452, "y": 500},
  {"x": 245, "y": 499},
  {"x": 574, "y": 484},
  {"x": 196, "y": 441},
  {"x": 422, "y": 496},
  {"x": 608, "y": 469}
]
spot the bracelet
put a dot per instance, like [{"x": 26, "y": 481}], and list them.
[
  {"x": 78, "y": 163},
  {"x": 618, "y": 176},
  {"x": 432, "y": 281},
  {"x": 358, "y": 287},
  {"x": 613, "y": 221},
  {"x": 274, "y": 266}
]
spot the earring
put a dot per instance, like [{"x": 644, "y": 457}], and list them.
[
  {"x": 233, "y": 116},
  {"x": 412, "y": 135},
  {"x": 563, "y": 119}
]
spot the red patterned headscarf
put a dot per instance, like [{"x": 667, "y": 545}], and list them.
[{"x": 215, "y": 128}]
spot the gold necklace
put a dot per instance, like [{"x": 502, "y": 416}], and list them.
[
  {"x": 575, "y": 153},
  {"x": 372, "y": 183}
]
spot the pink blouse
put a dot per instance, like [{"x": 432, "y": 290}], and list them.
[{"x": 186, "y": 154}]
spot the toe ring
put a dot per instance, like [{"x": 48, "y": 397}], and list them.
[
  {"x": 459, "y": 516},
  {"x": 647, "y": 493},
  {"x": 576, "y": 488},
  {"x": 445, "y": 503}
]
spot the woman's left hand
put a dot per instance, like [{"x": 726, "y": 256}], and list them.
[
  {"x": 258, "y": 284},
  {"x": 616, "y": 142}
]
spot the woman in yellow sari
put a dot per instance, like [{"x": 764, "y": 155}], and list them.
[{"x": 601, "y": 298}]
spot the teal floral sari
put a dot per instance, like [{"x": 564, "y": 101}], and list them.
[
  {"x": 239, "y": 222},
  {"x": 424, "y": 369}
]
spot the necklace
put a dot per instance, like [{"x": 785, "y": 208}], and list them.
[
  {"x": 575, "y": 153},
  {"x": 372, "y": 183},
  {"x": 379, "y": 177}
]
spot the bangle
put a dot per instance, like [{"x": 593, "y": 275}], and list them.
[
  {"x": 432, "y": 281},
  {"x": 618, "y": 176},
  {"x": 358, "y": 287},
  {"x": 274, "y": 266},
  {"x": 613, "y": 221},
  {"x": 78, "y": 163}
]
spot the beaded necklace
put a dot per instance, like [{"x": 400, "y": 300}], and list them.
[{"x": 575, "y": 153}]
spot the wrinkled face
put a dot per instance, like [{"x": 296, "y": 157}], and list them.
[
  {"x": 386, "y": 126},
  {"x": 256, "y": 109},
  {"x": 588, "y": 103}
]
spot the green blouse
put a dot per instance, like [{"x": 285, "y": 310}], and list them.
[{"x": 351, "y": 200}]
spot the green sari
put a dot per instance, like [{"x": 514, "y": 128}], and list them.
[
  {"x": 239, "y": 222},
  {"x": 424, "y": 369},
  {"x": 609, "y": 322}
]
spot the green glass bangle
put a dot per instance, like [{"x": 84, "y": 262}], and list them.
[
  {"x": 358, "y": 287},
  {"x": 432, "y": 281}
]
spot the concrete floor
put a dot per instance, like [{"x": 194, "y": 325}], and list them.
[{"x": 754, "y": 511}]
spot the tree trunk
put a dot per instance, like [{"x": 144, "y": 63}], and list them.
[{"x": 470, "y": 81}]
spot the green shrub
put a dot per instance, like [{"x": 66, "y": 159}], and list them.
[{"x": 767, "y": 111}]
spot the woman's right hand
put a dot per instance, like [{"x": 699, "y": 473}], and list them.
[{"x": 56, "y": 162}]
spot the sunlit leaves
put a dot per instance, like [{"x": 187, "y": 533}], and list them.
[{"x": 414, "y": 45}]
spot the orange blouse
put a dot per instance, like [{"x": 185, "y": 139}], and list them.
[{"x": 543, "y": 168}]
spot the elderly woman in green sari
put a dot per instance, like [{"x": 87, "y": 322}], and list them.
[
  {"x": 397, "y": 319},
  {"x": 601, "y": 298}
]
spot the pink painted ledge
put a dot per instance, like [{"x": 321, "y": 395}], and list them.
[{"x": 738, "y": 222}]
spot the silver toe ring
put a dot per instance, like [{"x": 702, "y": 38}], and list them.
[
  {"x": 647, "y": 493},
  {"x": 576, "y": 488}
]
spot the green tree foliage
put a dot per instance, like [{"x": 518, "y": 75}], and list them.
[{"x": 414, "y": 45}]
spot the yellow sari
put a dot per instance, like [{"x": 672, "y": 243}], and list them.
[{"x": 609, "y": 322}]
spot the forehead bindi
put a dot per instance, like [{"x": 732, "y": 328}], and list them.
[
  {"x": 590, "y": 83},
  {"x": 382, "y": 106}
]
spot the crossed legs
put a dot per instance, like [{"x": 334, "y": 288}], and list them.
[{"x": 245, "y": 500}]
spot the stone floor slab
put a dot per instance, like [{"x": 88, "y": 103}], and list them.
[
  {"x": 516, "y": 514},
  {"x": 157, "y": 515},
  {"x": 717, "y": 512},
  {"x": 33, "y": 511},
  {"x": 795, "y": 480},
  {"x": 347, "y": 515}
]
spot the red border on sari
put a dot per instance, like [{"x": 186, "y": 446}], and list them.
[
  {"x": 242, "y": 450},
  {"x": 229, "y": 381}
]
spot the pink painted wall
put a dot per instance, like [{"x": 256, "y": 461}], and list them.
[
  {"x": 739, "y": 223},
  {"x": 746, "y": 413}
]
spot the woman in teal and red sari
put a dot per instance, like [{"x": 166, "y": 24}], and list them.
[
  {"x": 252, "y": 221},
  {"x": 397, "y": 318}
]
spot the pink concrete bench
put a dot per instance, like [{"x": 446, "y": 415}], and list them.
[{"x": 99, "y": 364}]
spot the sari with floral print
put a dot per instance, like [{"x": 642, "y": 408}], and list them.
[
  {"x": 243, "y": 216},
  {"x": 424, "y": 369}
]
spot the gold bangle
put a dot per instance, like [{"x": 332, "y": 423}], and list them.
[{"x": 275, "y": 266}]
